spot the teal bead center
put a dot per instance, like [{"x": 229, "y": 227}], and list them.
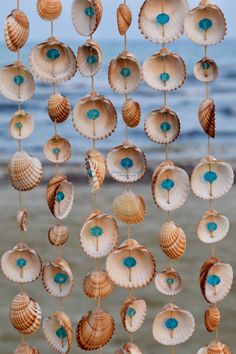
[
  {"x": 168, "y": 184},
  {"x": 53, "y": 54},
  {"x": 92, "y": 59},
  {"x": 205, "y": 24},
  {"x": 96, "y": 231},
  {"x": 18, "y": 80},
  {"x": 60, "y": 278},
  {"x": 93, "y": 114},
  {"x": 206, "y": 65},
  {"x": 213, "y": 280},
  {"x": 89, "y": 11},
  {"x": 210, "y": 176},
  {"x": 21, "y": 262},
  {"x": 129, "y": 262},
  {"x": 18, "y": 125},
  {"x": 61, "y": 333},
  {"x": 163, "y": 18},
  {"x": 125, "y": 72},
  {"x": 126, "y": 163},
  {"x": 165, "y": 127},
  {"x": 171, "y": 323},
  {"x": 212, "y": 226},
  {"x": 131, "y": 312},
  {"x": 56, "y": 151},
  {"x": 164, "y": 77},
  {"x": 170, "y": 281},
  {"x": 89, "y": 173},
  {"x": 60, "y": 197}
]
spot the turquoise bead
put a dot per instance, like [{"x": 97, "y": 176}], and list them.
[
  {"x": 92, "y": 59},
  {"x": 212, "y": 226},
  {"x": 125, "y": 72},
  {"x": 206, "y": 65},
  {"x": 89, "y": 11},
  {"x": 18, "y": 125},
  {"x": 131, "y": 312},
  {"x": 213, "y": 280},
  {"x": 18, "y": 80},
  {"x": 89, "y": 173},
  {"x": 129, "y": 262},
  {"x": 165, "y": 127},
  {"x": 163, "y": 18},
  {"x": 60, "y": 278},
  {"x": 164, "y": 77},
  {"x": 168, "y": 184},
  {"x": 170, "y": 281},
  {"x": 96, "y": 231},
  {"x": 126, "y": 163},
  {"x": 210, "y": 176},
  {"x": 21, "y": 262},
  {"x": 171, "y": 323},
  {"x": 56, "y": 151},
  {"x": 61, "y": 333},
  {"x": 53, "y": 54},
  {"x": 93, "y": 114},
  {"x": 60, "y": 197},
  {"x": 205, "y": 24}
]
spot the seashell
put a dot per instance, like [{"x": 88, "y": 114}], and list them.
[
  {"x": 16, "y": 82},
  {"x": 213, "y": 227},
  {"x": 211, "y": 178},
  {"x": 129, "y": 208},
  {"x": 169, "y": 282},
  {"x": 16, "y": 30},
  {"x": 52, "y": 61},
  {"x": 124, "y": 18},
  {"x": 164, "y": 71},
  {"x": 133, "y": 313},
  {"x": 95, "y": 330},
  {"x": 206, "y": 115},
  {"x": 58, "y": 332},
  {"x": 215, "y": 347},
  {"x": 96, "y": 169},
  {"x": 124, "y": 73},
  {"x": 173, "y": 326},
  {"x": 21, "y": 125},
  {"x": 206, "y": 70},
  {"x": 57, "y": 278},
  {"x": 86, "y": 16},
  {"x": 131, "y": 113},
  {"x": 22, "y": 219},
  {"x": 170, "y": 186},
  {"x": 58, "y": 235},
  {"x": 57, "y": 149},
  {"x": 162, "y": 21},
  {"x": 21, "y": 264},
  {"x": 25, "y": 171},
  {"x": 99, "y": 234},
  {"x": 205, "y": 24},
  {"x": 89, "y": 58},
  {"x": 126, "y": 163},
  {"x": 212, "y": 318},
  {"x": 49, "y": 10},
  {"x": 25, "y": 314},
  {"x": 172, "y": 240},
  {"x": 162, "y": 126},
  {"x": 129, "y": 348},
  {"x": 58, "y": 108},
  {"x": 134, "y": 265},
  {"x": 97, "y": 284},
  {"x": 94, "y": 117},
  {"x": 26, "y": 349}
]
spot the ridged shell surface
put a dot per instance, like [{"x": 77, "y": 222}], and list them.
[
  {"x": 58, "y": 108},
  {"x": 96, "y": 169},
  {"x": 131, "y": 113},
  {"x": 124, "y": 18},
  {"x": 58, "y": 235},
  {"x": 22, "y": 219},
  {"x": 21, "y": 125},
  {"x": 97, "y": 284},
  {"x": 212, "y": 318},
  {"x": 89, "y": 58},
  {"x": 16, "y": 30},
  {"x": 86, "y": 16},
  {"x": 215, "y": 347},
  {"x": 57, "y": 149},
  {"x": 26, "y": 349},
  {"x": 129, "y": 348},
  {"x": 213, "y": 227},
  {"x": 172, "y": 240},
  {"x": 49, "y": 10},
  {"x": 169, "y": 282},
  {"x": 206, "y": 116},
  {"x": 133, "y": 313},
  {"x": 206, "y": 70}
]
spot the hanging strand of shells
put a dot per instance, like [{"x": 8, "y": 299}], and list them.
[
  {"x": 21, "y": 264},
  {"x": 205, "y": 25},
  {"x": 162, "y": 21}
]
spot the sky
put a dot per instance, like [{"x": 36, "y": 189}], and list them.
[{"x": 107, "y": 30}]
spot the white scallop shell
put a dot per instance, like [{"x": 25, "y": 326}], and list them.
[
  {"x": 129, "y": 348},
  {"x": 57, "y": 149},
  {"x": 21, "y": 125},
  {"x": 96, "y": 169},
  {"x": 58, "y": 235},
  {"x": 16, "y": 30},
  {"x": 22, "y": 219},
  {"x": 169, "y": 282},
  {"x": 206, "y": 70},
  {"x": 213, "y": 227},
  {"x": 26, "y": 349},
  {"x": 62, "y": 208},
  {"x": 89, "y": 58},
  {"x": 215, "y": 347},
  {"x": 133, "y": 313}
]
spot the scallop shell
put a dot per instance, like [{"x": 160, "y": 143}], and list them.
[
  {"x": 95, "y": 117},
  {"x": 57, "y": 149},
  {"x": 124, "y": 73},
  {"x": 134, "y": 265},
  {"x": 172, "y": 240},
  {"x": 169, "y": 282},
  {"x": 212, "y": 318},
  {"x": 95, "y": 330},
  {"x": 25, "y": 171},
  {"x": 49, "y": 10},
  {"x": 173, "y": 326},
  {"x": 52, "y": 61},
  {"x": 162, "y": 21},
  {"x": 58, "y": 108},
  {"x": 133, "y": 313},
  {"x": 215, "y": 347},
  {"x": 21, "y": 125},
  {"x": 58, "y": 332},
  {"x": 131, "y": 113},
  {"x": 89, "y": 58},
  {"x": 16, "y": 30},
  {"x": 99, "y": 234},
  {"x": 205, "y": 24},
  {"x": 124, "y": 18},
  {"x": 16, "y": 82},
  {"x": 211, "y": 178},
  {"x": 22, "y": 219},
  {"x": 86, "y": 16},
  {"x": 25, "y": 314},
  {"x": 21, "y": 264},
  {"x": 206, "y": 115},
  {"x": 58, "y": 235},
  {"x": 129, "y": 208},
  {"x": 162, "y": 126},
  {"x": 170, "y": 186},
  {"x": 129, "y": 348},
  {"x": 213, "y": 227},
  {"x": 206, "y": 70},
  {"x": 97, "y": 284},
  {"x": 26, "y": 349},
  {"x": 57, "y": 278},
  {"x": 126, "y": 163},
  {"x": 96, "y": 169}
]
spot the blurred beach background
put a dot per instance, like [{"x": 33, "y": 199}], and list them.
[{"x": 186, "y": 152}]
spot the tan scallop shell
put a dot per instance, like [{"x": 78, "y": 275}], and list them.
[
  {"x": 136, "y": 276},
  {"x": 62, "y": 152},
  {"x": 162, "y": 126},
  {"x": 134, "y": 156},
  {"x": 106, "y": 228},
  {"x": 174, "y": 198},
  {"x": 90, "y": 49},
  {"x": 219, "y": 187},
  {"x": 212, "y": 318},
  {"x": 52, "y": 71},
  {"x": 129, "y": 348},
  {"x": 169, "y": 282},
  {"x": 172, "y": 240},
  {"x": 21, "y": 125},
  {"x": 58, "y": 235},
  {"x": 206, "y": 70},
  {"x": 58, "y": 108},
  {"x": 25, "y": 314},
  {"x": 167, "y": 64},
  {"x": 95, "y": 330},
  {"x": 26, "y": 349},
  {"x": 22, "y": 219},
  {"x": 206, "y": 115},
  {"x": 215, "y": 347},
  {"x": 16, "y": 30},
  {"x": 131, "y": 113},
  {"x": 124, "y": 84},
  {"x": 99, "y": 128},
  {"x": 25, "y": 171},
  {"x": 97, "y": 284},
  {"x": 133, "y": 321},
  {"x": 176, "y": 10},
  {"x": 84, "y": 24},
  {"x": 215, "y": 33},
  {"x": 52, "y": 188},
  {"x": 181, "y": 333},
  {"x": 129, "y": 208},
  {"x": 124, "y": 18},
  {"x": 49, "y": 10},
  {"x": 96, "y": 169},
  {"x": 216, "y": 235},
  {"x": 58, "y": 320},
  {"x": 21, "y": 274},
  {"x": 13, "y": 91}
]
